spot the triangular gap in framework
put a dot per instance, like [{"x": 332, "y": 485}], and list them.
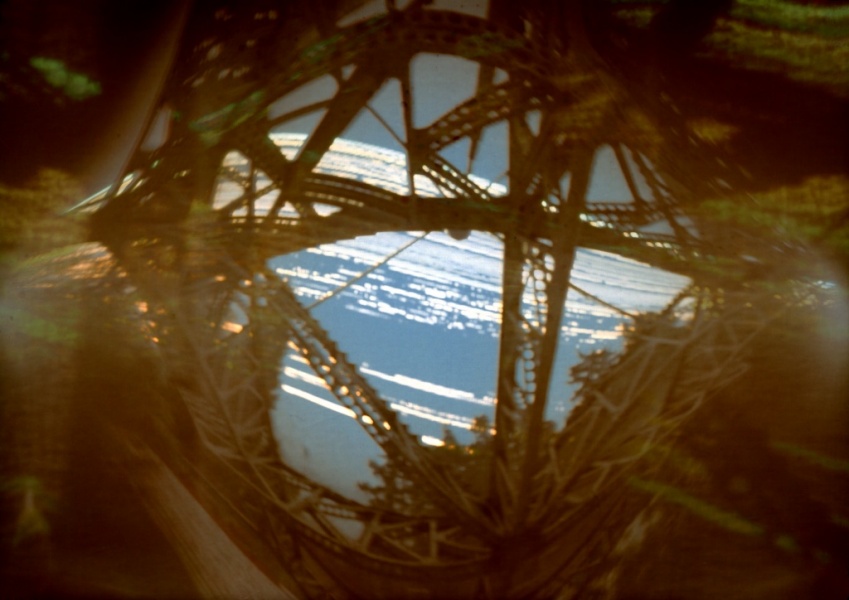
[
  {"x": 533, "y": 118},
  {"x": 291, "y": 136},
  {"x": 389, "y": 108},
  {"x": 317, "y": 90},
  {"x": 560, "y": 389},
  {"x": 500, "y": 76},
  {"x": 266, "y": 191},
  {"x": 492, "y": 161},
  {"x": 227, "y": 187},
  {"x": 652, "y": 193},
  {"x": 607, "y": 182},
  {"x": 457, "y": 153},
  {"x": 565, "y": 184},
  {"x": 367, "y": 151},
  {"x": 440, "y": 83},
  {"x": 348, "y": 70},
  {"x": 639, "y": 180}
]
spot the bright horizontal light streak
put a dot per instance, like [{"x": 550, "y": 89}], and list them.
[
  {"x": 426, "y": 386},
  {"x": 232, "y": 327},
  {"x": 403, "y": 380},
  {"x": 416, "y": 412},
  {"x": 368, "y": 420},
  {"x": 606, "y": 335},
  {"x": 305, "y": 377},
  {"x": 320, "y": 401},
  {"x": 432, "y": 441}
]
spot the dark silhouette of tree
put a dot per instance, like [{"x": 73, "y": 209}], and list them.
[{"x": 731, "y": 492}]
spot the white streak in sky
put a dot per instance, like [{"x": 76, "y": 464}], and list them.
[
  {"x": 430, "y": 388},
  {"x": 320, "y": 401}
]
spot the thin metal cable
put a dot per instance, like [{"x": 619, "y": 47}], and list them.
[{"x": 366, "y": 273}]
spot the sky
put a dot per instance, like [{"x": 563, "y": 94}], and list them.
[
  {"x": 423, "y": 326},
  {"x": 424, "y": 331}
]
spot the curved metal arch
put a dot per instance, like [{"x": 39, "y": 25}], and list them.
[
  {"x": 519, "y": 95},
  {"x": 539, "y": 246}
]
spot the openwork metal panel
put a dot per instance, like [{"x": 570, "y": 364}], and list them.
[{"x": 225, "y": 187}]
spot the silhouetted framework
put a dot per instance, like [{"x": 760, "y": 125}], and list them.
[{"x": 226, "y": 320}]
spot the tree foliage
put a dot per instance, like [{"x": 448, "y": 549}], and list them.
[{"x": 468, "y": 463}]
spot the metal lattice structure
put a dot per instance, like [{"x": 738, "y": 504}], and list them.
[{"x": 225, "y": 319}]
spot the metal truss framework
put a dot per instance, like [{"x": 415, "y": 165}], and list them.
[
  {"x": 230, "y": 330},
  {"x": 227, "y": 319}
]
